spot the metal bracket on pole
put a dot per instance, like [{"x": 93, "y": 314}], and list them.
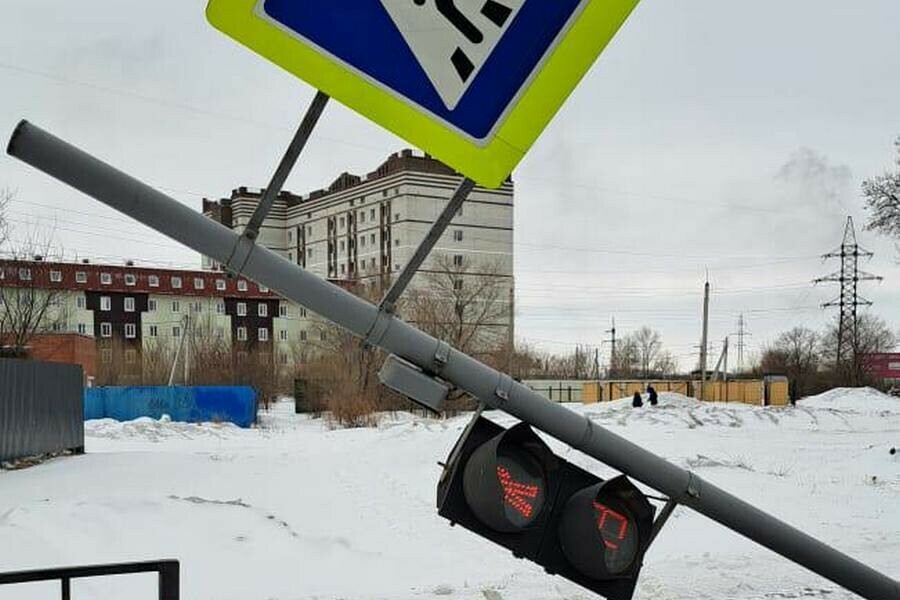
[
  {"x": 389, "y": 302},
  {"x": 660, "y": 521},
  {"x": 242, "y": 249}
]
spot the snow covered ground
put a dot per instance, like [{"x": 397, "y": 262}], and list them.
[{"x": 292, "y": 510}]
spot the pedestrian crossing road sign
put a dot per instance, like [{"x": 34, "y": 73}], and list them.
[{"x": 473, "y": 82}]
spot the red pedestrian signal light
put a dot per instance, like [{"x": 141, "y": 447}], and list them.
[{"x": 507, "y": 486}]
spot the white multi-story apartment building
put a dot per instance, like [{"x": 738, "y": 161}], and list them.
[{"x": 364, "y": 229}]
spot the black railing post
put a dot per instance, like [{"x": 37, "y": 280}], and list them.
[
  {"x": 169, "y": 580},
  {"x": 66, "y": 588}
]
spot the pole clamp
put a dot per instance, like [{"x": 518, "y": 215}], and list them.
[
  {"x": 240, "y": 254},
  {"x": 441, "y": 357},
  {"x": 378, "y": 329},
  {"x": 504, "y": 385}
]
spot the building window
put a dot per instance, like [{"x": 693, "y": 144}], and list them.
[
  {"x": 130, "y": 356},
  {"x": 242, "y": 309},
  {"x": 130, "y": 279},
  {"x": 220, "y": 308},
  {"x": 457, "y": 260},
  {"x": 197, "y": 307},
  {"x": 151, "y": 305},
  {"x": 290, "y": 236},
  {"x": 176, "y": 306},
  {"x": 80, "y": 277},
  {"x": 80, "y": 302},
  {"x": 397, "y": 242},
  {"x": 291, "y": 256},
  {"x": 372, "y": 239},
  {"x": 153, "y": 331},
  {"x": 343, "y": 245},
  {"x": 309, "y": 231},
  {"x": 198, "y": 283},
  {"x": 457, "y": 284},
  {"x": 282, "y": 335},
  {"x": 105, "y": 303},
  {"x": 106, "y": 330},
  {"x": 82, "y": 329},
  {"x": 323, "y": 336},
  {"x": 458, "y": 235},
  {"x": 242, "y": 285},
  {"x": 396, "y": 217},
  {"x": 372, "y": 263},
  {"x": 262, "y": 310},
  {"x": 362, "y": 216},
  {"x": 372, "y": 214},
  {"x": 309, "y": 252},
  {"x": 130, "y": 331},
  {"x": 343, "y": 268},
  {"x": 105, "y": 278},
  {"x": 129, "y": 304},
  {"x": 263, "y": 334},
  {"x": 282, "y": 310},
  {"x": 264, "y": 289},
  {"x": 25, "y": 274},
  {"x": 176, "y": 332},
  {"x": 56, "y": 276},
  {"x": 242, "y": 334},
  {"x": 106, "y": 356},
  {"x": 220, "y": 285},
  {"x": 153, "y": 280},
  {"x": 303, "y": 336},
  {"x": 302, "y": 312},
  {"x": 220, "y": 333},
  {"x": 176, "y": 282},
  {"x": 283, "y": 357},
  {"x": 342, "y": 222},
  {"x": 362, "y": 241}
]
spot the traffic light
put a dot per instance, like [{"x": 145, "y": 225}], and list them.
[{"x": 507, "y": 486}]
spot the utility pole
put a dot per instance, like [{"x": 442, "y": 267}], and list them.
[
  {"x": 741, "y": 333},
  {"x": 849, "y": 300},
  {"x": 612, "y": 342},
  {"x": 704, "y": 338}
]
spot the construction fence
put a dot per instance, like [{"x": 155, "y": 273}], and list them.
[{"x": 768, "y": 391}]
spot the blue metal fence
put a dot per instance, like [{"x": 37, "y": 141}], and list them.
[{"x": 194, "y": 404}]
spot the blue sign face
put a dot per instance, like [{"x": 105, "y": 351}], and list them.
[{"x": 462, "y": 61}]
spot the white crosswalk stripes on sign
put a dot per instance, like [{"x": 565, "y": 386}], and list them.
[{"x": 452, "y": 39}]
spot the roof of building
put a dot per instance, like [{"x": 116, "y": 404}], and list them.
[
  {"x": 398, "y": 162},
  {"x": 128, "y": 278}
]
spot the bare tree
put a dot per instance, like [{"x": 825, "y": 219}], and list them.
[
  {"x": 6, "y": 197},
  {"x": 649, "y": 345},
  {"x": 465, "y": 306},
  {"x": 882, "y": 197},
  {"x": 665, "y": 364},
  {"x": 627, "y": 360},
  {"x": 795, "y": 353},
  {"x": 29, "y": 305},
  {"x": 873, "y": 335}
]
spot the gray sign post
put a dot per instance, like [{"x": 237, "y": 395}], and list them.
[{"x": 497, "y": 390}]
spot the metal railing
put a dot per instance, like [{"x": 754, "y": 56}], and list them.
[{"x": 168, "y": 571}]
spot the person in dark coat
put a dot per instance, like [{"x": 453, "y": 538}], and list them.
[
  {"x": 654, "y": 399},
  {"x": 636, "y": 402}
]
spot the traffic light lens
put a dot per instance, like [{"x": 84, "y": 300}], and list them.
[
  {"x": 619, "y": 537},
  {"x": 522, "y": 483}
]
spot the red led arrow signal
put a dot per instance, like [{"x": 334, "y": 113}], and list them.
[{"x": 517, "y": 494}]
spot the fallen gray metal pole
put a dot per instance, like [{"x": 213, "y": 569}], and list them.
[{"x": 154, "y": 209}]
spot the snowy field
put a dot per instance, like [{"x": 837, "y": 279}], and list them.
[{"x": 292, "y": 510}]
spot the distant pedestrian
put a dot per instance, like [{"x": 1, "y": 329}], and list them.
[
  {"x": 636, "y": 402},
  {"x": 654, "y": 399}
]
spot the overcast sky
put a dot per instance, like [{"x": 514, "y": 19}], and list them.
[{"x": 712, "y": 134}]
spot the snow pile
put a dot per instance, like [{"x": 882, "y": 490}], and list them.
[
  {"x": 293, "y": 510},
  {"x": 855, "y": 400}
]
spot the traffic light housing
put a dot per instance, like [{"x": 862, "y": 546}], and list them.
[{"x": 507, "y": 486}]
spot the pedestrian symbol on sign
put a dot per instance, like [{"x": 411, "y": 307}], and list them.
[{"x": 452, "y": 39}]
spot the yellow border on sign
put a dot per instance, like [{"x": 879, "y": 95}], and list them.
[{"x": 490, "y": 164}]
